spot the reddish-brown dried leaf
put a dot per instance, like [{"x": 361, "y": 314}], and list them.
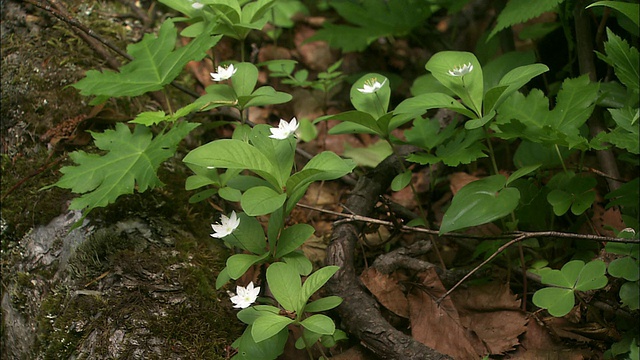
[
  {"x": 537, "y": 344},
  {"x": 438, "y": 325},
  {"x": 458, "y": 180},
  {"x": 316, "y": 55},
  {"x": 386, "y": 290},
  {"x": 493, "y": 312}
]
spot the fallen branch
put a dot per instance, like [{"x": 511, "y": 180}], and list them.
[{"x": 359, "y": 311}]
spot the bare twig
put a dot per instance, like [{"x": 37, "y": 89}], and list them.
[{"x": 511, "y": 235}]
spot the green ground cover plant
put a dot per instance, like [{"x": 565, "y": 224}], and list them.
[{"x": 547, "y": 131}]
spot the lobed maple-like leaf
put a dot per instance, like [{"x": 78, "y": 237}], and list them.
[
  {"x": 372, "y": 19},
  {"x": 155, "y": 65},
  {"x": 529, "y": 116},
  {"x": 132, "y": 159},
  {"x": 519, "y": 11}
]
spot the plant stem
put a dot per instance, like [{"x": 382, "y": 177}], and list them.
[
  {"x": 564, "y": 167},
  {"x": 491, "y": 153},
  {"x": 422, "y": 213}
]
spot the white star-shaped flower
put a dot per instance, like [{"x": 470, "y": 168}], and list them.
[
  {"x": 461, "y": 70},
  {"x": 197, "y": 5},
  {"x": 284, "y": 129},
  {"x": 223, "y": 73},
  {"x": 245, "y": 296},
  {"x": 226, "y": 226},
  {"x": 371, "y": 86}
]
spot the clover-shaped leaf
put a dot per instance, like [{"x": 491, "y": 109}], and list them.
[{"x": 574, "y": 275}]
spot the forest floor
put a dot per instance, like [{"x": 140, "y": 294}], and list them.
[{"x": 149, "y": 270}]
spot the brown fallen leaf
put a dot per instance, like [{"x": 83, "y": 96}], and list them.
[
  {"x": 458, "y": 180},
  {"x": 316, "y": 55},
  {"x": 538, "y": 344},
  {"x": 386, "y": 290},
  {"x": 493, "y": 313},
  {"x": 438, "y": 325}
]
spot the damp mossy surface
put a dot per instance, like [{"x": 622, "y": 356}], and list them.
[{"x": 148, "y": 288}]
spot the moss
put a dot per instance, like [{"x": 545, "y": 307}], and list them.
[{"x": 35, "y": 78}]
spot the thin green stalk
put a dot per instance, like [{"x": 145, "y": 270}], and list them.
[
  {"x": 564, "y": 167},
  {"x": 422, "y": 213},
  {"x": 491, "y": 153}
]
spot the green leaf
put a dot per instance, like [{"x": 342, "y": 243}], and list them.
[
  {"x": 279, "y": 152},
  {"x": 480, "y": 202},
  {"x": 626, "y": 267},
  {"x": 371, "y": 155},
  {"x": 245, "y": 79},
  {"x": 427, "y": 133},
  {"x": 324, "y": 304},
  {"x": 230, "y": 194},
  {"x": 558, "y": 301},
  {"x": 155, "y": 65},
  {"x": 375, "y": 104},
  {"x": 418, "y": 105},
  {"x": 324, "y": 166},
  {"x": 625, "y": 134},
  {"x": 233, "y": 154},
  {"x": 530, "y": 118},
  {"x": 592, "y": 276},
  {"x": 315, "y": 281},
  {"x": 497, "y": 68},
  {"x": 308, "y": 337},
  {"x": 223, "y": 278},
  {"x": 575, "y": 192},
  {"x": 268, "y": 325},
  {"x": 463, "y": 148},
  {"x": 292, "y": 237},
  {"x": 401, "y": 181},
  {"x": 361, "y": 118},
  {"x": 238, "y": 264},
  {"x": 630, "y": 10},
  {"x": 329, "y": 341},
  {"x": 630, "y": 295},
  {"x": 248, "y": 349},
  {"x": 307, "y": 131},
  {"x": 265, "y": 95},
  {"x": 511, "y": 82},
  {"x": 470, "y": 87},
  {"x": 299, "y": 262},
  {"x": 320, "y": 324},
  {"x": 519, "y": 11},
  {"x": 261, "y": 200},
  {"x": 624, "y": 60},
  {"x": 478, "y": 123},
  {"x": 531, "y": 153},
  {"x": 524, "y": 171},
  {"x": 371, "y": 20},
  {"x": 203, "y": 177},
  {"x": 202, "y": 195},
  {"x": 149, "y": 118},
  {"x": 627, "y": 195},
  {"x": 250, "y": 314},
  {"x": 217, "y": 95},
  {"x": 249, "y": 235},
  {"x": 284, "y": 283},
  {"x": 131, "y": 162},
  {"x": 574, "y": 275}
]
